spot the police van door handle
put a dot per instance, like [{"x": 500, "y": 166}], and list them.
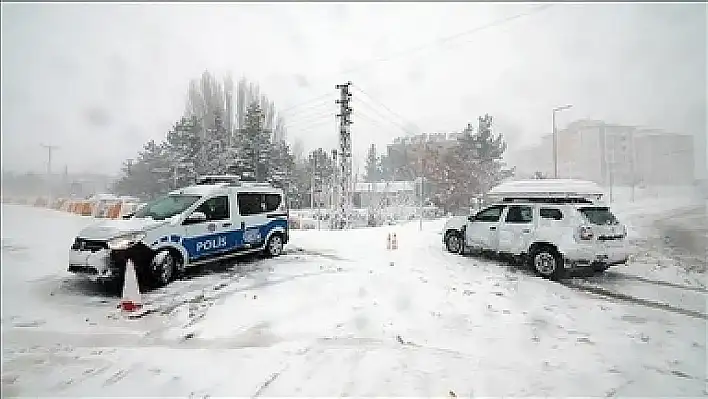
[
  {"x": 226, "y": 225},
  {"x": 243, "y": 225},
  {"x": 526, "y": 230},
  {"x": 492, "y": 227}
]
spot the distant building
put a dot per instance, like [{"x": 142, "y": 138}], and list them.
[
  {"x": 613, "y": 154},
  {"x": 383, "y": 194}
]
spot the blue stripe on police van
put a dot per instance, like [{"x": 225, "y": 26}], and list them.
[
  {"x": 175, "y": 238},
  {"x": 163, "y": 239},
  {"x": 210, "y": 244}
]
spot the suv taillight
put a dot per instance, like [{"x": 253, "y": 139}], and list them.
[{"x": 585, "y": 233}]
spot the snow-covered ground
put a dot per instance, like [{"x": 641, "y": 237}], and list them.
[
  {"x": 339, "y": 315},
  {"x": 656, "y": 227}
]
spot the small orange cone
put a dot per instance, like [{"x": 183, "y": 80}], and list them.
[
  {"x": 131, "y": 301},
  {"x": 394, "y": 242}
]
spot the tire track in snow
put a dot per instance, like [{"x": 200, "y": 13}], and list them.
[
  {"x": 601, "y": 290},
  {"x": 612, "y": 294},
  {"x": 169, "y": 298},
  {"x": 624, "y": 276}
]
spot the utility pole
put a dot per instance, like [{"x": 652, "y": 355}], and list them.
[
  {"x": 49, "y": 167},
  {"x": 333, "y": 203},
  {"x": 318, "y": 187},
  {"x": 555, "y": 139},
  {"x": 632, "y": 166},
  {"x": 424, "y": 152},
  {"x": 312, "y": 181},
  {"x": 345, "y": 151}
]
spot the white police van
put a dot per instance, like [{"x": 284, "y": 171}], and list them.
[{"x": 219, "y": 217}]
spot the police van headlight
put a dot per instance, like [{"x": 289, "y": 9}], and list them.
[{"x": 125, "y": 241}]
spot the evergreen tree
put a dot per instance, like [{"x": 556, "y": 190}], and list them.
[
  {"x": 490, "y": 153},
  {"x": 208, "y": 141},
  {"x": 142, "y": 177},
  {"x": 473, "y": 166},
  {"x": 218, "y": 156},
  {"x": 184, "y": 145},
  {"x": 373, "y": 166},
  {"x": 255, "y": 145}
]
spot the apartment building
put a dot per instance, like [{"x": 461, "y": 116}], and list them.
[{"x": 613, "y": 154}]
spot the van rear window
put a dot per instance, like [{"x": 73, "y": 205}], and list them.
[{"x": 599, "y": 215}]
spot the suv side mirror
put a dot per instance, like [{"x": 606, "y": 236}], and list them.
[{"x": 195, "y": 217}]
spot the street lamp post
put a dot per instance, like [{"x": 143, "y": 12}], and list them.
[{"x": 555, "y": 139}]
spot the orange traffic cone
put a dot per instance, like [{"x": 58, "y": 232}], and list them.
[
  {"x": 394, "y": 242},
  {"x": 131, "y": 301}
]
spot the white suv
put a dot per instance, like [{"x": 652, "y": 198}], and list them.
[{"x": 553, "y": 234}]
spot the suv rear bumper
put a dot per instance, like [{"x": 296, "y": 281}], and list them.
[{"x": 596, "y": 255}]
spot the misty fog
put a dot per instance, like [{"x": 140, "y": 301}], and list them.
[{"x": 100, "y": 80}]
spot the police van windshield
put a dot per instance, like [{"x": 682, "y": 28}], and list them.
[{"x": 166, "y": 207}]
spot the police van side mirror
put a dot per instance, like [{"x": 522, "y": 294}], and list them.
[{"x": 195, "y": 217}]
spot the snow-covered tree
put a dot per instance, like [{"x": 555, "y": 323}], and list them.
[
  {"x": 473, "y": 166},
  {"x": 148, "y": 175},
  {"x": 373, "y": 166},
  {"x": 217, "y": 144},
  {"x": 217, "y": 135},
  {"x": 254, "y": 145}
]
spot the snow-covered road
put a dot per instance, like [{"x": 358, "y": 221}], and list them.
[{"x": 339, "y": 315}]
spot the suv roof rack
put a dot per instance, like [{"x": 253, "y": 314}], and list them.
[
  {"x": 549, "y": 190},
  {"x": 547, "y": 200}
]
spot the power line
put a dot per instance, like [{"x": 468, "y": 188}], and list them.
[
  {"x": 303, "y": 108},
  {"x": 310, "y": 120},
  {"x": 384, "y": 118},
  {"x": 297, "y": 105},
  {"x": 309, "y": 113},
  {"x": 381, "y": 104},
  {"x": 376, "y": 123},
  {"x": 442, "y": 40},
  {"x": 301, "y": 127}
]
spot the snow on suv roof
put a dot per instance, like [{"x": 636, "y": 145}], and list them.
[{"x": 548, "y": 187}]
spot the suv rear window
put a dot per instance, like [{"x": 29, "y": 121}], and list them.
[{"x": 599, "y": 215}]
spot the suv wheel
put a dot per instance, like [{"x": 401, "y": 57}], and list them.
[
  {"x": 163, "y": 267},
  {"x": 453, "y": 243},
  {"x": 274, "y": 247},
  {"x": 547, "y": 262}
]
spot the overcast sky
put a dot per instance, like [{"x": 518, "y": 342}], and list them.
[{"x": 99, "y": 80}]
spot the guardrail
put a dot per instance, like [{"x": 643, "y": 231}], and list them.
[{"x": 105, "y": 209}]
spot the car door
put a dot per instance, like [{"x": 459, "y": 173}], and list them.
[
  {"x": 213, "y": 236},
  {"x": 252, "y": 217},
  {"x": 516, "y": 229},
  {"x": 481, "y": 231}
]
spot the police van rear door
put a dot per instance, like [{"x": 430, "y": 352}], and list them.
[
  {"x": 259, "y": 213},
  {"x": 214, "y": 236}
]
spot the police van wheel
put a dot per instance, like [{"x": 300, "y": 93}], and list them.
[
  {"x": 163, "y": 268},
  {"x": 274, "y": 247}
]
